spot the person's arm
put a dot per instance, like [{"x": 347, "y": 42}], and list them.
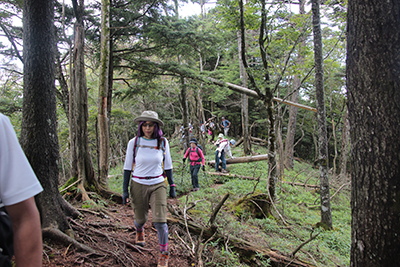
[
  {"x": 229, "y": 124},
  {"x": 203, "y": 160},
  {"x": 27, "y": 231},
  {"x": 125, "y": 187}
]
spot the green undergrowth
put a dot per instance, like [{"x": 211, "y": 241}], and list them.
[{"x": 297, "y": 205}]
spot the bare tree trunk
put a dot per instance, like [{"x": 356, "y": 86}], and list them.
[
  {"x": 79, "y": 106},
  {"x": 103, "y": 92},
  {"x": 267, "y": 98},
  {"x": 201, "y": 110},
  {"x": 39, "y": 138},
  {"x": 291, "y": 129},
  {"x": 323, "y": 158},
  {"x": 244, "y": 101},
  {"x": 344, "y": 150},
  {"x": 373, "y": 84},
  {"x": 185, "y": 114}
]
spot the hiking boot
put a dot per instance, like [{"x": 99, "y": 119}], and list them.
[
  {"x": 163, "y": 261},
  {"x": 140, "y": 239},
  {"x": 224, "y": 171}
]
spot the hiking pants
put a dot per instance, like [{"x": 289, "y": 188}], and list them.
[
  {"x": 222, "y": 160},
  {"x": 194, "y": 170}
]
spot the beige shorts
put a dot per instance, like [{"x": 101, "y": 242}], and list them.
[{"x": 145, "y": 196}]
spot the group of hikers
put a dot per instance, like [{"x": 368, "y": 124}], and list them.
[
  {"x": 147, "y": 175},
  {"x": 207, "y": 129}
]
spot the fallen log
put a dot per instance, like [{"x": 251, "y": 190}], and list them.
[
  {"x": 302, "y": 184},
  {"x": 241, "y": 159},
  {"x": 256, "y": 139},
  {"x": 247, "y": 251},
  {"x": 232, "y": 175}
]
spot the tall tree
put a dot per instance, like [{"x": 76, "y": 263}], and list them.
[
  {"x": 373, "y": 84},
  {"x": 267, "y": 96},
  {"x": 82, "y": 166},
  {"x": 39, "y": 137},
  {"x": 103, "y": 92},
  {"x": 244, "y": 100},
  {"x": 291, "y": 128},
  {"x": 323, "y": 157}
]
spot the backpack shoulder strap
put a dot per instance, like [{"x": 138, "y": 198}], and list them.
[{"x": 135, "y": 148}]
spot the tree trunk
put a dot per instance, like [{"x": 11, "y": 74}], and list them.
[
  {"x": 291, "y": 129},
  {"x": 185, "y": 114},
  {"x": 79, "y": 107},
  {"x": 39, "y": 138},
  {"x": 244, "y": 101},
  {"x": 373, "y": 84},
  {"x": 103, "y": 93},
  {"x": 201, "y": 111},
  {"x": 267, "y": 98},
  {"x": 323, "y": 158},
  {"x": 344, "y": 150}
]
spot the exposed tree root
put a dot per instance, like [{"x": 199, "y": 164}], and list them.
[{"x": 57, "y": 235}]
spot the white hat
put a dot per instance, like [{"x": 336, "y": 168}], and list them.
[
  {"x": 221, "y": 135},
  {"x": 149, "y": 115}
]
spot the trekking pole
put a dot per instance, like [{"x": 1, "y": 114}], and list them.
[{"x": 205, "y": 175}]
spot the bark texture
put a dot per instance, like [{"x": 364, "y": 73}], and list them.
[
  {"x": 103, "y": 93},
  {"x": 82, "y": 166},
  {"x": 39, "y": 138},
  {"x": 326, "y": 216},
  {"x": 373, "y": 84}
]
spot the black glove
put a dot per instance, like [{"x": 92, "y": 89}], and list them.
[
  {"x": 125, "y": 185},
  {"x": 172, "y": 191},
  {"x": 184, "y": 159},
  {"x": 204, "y": 168},
  {"x": 171, "y": 183}
]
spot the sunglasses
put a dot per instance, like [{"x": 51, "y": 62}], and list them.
[{"x": 148, "y": 125}]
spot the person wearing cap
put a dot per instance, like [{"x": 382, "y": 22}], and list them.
[
  {"x": 221, "y": 143},
  {"x": 225, "y": 125},
  {"x": 147, "y": 158},
  {"x": 196, "y": 159}
]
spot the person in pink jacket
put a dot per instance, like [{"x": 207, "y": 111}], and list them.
[{"x": 196, "y": 159}]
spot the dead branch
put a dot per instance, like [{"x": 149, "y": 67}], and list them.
[
  {"x": 276, "y": 210},
  {"x": 217, "y": 209},
  {"x": 71, "y": 185},
  {"x": 304, "y": 243},
  {"x": 340, "y": 188},
  {"x": 232, "y": 175},
  {"x": 245, "y": 249},
  {"x": 186, "y": 225},
  {"x": 300, "y": 184}
]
